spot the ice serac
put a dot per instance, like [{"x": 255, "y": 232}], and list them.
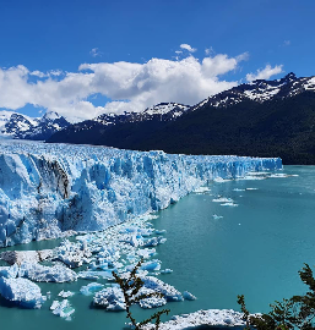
[{"x": 49, "y": 191}]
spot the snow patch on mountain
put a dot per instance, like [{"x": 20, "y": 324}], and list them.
[{"x": 20, "y": 126}]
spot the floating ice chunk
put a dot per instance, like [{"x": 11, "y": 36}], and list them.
[
  {"x": 166, "y": 271},
  {"x": 146, "y": 253},
  {"x": 133, "y": 240},
  {"x": 95, "y": 275},
  {"x": 221, "y": 180},
  {"x": 222, "y": 200},
  {"x": 66, "y": 294},
  {"x": 160, "y": 232},
  {"x": 188, "y": 296},
  {"x": 150, "y": 302},
  {"x": 155, "y": 241},
  {"x": 151, "y": 265},
  {"x": 282, "y": 175},
  {"x": 249, "y": 189},
  {"x": 168, "y": 291},
  {"x": 211, "y": 317},
  {"x": 254, "y": 177},
  {"x": 229, "y": 204},
  {"x": 22, "y": 292},
  {"x": 112, "y": 299},
  {"x": 54, "y": 305},
  {"x": 72, "y": 254},
  {"x": 91, "y": 288},
  {"x": 202, "y": 190},
  {"x": 39, "y": 273},
  {"x": 217, "y": 217},
  {"x": 62, "y": 309},
  {"x": 87, "y": 276}
]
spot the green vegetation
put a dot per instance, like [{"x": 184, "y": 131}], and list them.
[
  {"x": 297, "y": 312},
  {"x": 131, "y": 287}
]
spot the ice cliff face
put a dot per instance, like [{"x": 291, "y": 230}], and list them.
[{"x": 49, "y": 191}]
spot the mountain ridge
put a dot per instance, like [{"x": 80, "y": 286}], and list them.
[{"x": 20, "y": 126}]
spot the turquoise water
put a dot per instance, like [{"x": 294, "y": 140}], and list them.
[{"x": 256, "y": 249}]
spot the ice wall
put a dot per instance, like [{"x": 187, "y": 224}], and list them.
[{"x": 48, "y": 190}]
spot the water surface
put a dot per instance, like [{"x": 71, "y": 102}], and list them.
[{"x": 256, "y": 249}]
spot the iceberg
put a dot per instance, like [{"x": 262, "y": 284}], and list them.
[
  {"x": 213, "y": 317},
  {"x": 222, "y": 200},
  {"x": 39, "y": 273},
  {"x": 62, "y": 309},
  {"x": 56, "y": 190},
  {"x": 112, "y": 299},
  {"x": 188, "y": 296},
  {"x": 168, "y": 291},
  {"x": 89, "y": 289},
  {"x": 151, "y": 302},
  {"x": 66, "y": 294},
  {"x": 22, "y": 292},
  {"x": 217, "y": 217}
]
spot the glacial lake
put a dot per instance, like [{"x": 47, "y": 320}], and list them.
[{"x": 256, "y": 249}]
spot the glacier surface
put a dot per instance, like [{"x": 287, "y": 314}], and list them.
[{"x": 55, "y": 190}]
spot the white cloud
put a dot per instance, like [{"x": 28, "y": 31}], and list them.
[
  {"x": 129, "y": 86},
  {"x": 95, "y": 52},
  {"x": 265, "y": 73},
  {"x": 38, "y": 74},
  {"x": 178, "y": 51},
  {"x": 55, "y": 73},
  {"x": 188, "y": 48}
]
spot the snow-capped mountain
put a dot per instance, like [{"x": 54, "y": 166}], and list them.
[
  {"x": 160, "y": 112},
  {"x": 260, "y": 91},
  {"x": 261, "y": 118},
  {"x": 19, "y": 126}
]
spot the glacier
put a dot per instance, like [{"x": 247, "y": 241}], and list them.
[{"x": 56, "y": 190}]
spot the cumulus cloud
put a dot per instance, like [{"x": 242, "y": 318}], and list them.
[
  {"x": 188, "y": 48},
  {"x": 128, "y": 86},
  {"x": 265, "y": 73},
  {"x": 38, "y": 74}
]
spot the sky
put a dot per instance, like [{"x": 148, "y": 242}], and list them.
[{"x": 83, "y": 58}]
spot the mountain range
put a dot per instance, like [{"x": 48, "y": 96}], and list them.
[
  {"x": 19, "y": 126},
  {"x": 261, "y": 118},
  {"x": 265, "y": 118}
]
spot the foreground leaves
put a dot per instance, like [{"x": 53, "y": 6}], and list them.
[
  {"x": 131, "y": 288},
  {"x": 297, "y": 312}
]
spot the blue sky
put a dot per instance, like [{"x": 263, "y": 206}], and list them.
[{"x": 59, "y": 36}]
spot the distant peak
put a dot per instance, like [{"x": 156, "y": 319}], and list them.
[
  {"x": 52, "y": 115},
  {"x": 290, "y": 75}
]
